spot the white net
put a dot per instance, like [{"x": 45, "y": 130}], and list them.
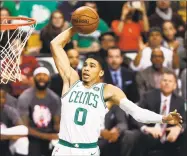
[{"x": 12, "y": 43}]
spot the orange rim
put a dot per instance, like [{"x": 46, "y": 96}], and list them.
[{"x": 30, "y": 21}]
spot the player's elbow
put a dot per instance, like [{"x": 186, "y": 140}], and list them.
[
  {"x": 52, "y": 44},
  {"x": 55, "y": 43}
]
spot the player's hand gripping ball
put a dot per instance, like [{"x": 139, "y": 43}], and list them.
[{"x": 85, "y": 20}]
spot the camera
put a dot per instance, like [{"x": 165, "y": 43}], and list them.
[{"x": 136, "y": 4}]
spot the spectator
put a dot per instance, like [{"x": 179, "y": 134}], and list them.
[
  {"x": 128, "y": 30},
  {"x": 56, "y": 80},
  {"x": 116, "y": 139},
  {"x": 39, "y": 10},
  {"x": 163, "y": 13},
  {"x": 115, "y": 125},
  {"x": 170, "y": 40},
  {"x": 4, "y": 12},
  {"x": 166, "y": 138},
  {"x": 120, "y": 76},
  {"x": 150, "y": 78},
  {"x": 89, "y": 42},
  {"x": 4, "y": 34},
  {"x": 9, "y": 118},
  {"x": 107, "y": 40},
  {"x": 67, "y": 7},
  {"x": 10, "y": 100},
  {"x": 143, "y": 58},
  {"x": 40, "y": 109},
  {"x": 56, "y": 25},
  {"x": 27, "y": 65},
  {"x": 11, "y": 7}
]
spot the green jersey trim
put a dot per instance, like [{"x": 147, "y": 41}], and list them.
[
  {"x": 77, "y": 145},
  {"x": 70, "y": 88},
  {"x": 102, "y": 94}
]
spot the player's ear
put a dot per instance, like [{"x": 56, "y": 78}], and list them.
[{"x": 101, "y": 74}]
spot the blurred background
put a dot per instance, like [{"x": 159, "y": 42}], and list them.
[{"x": 139, "y": 41}]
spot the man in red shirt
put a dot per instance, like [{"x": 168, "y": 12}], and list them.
[{"x": 127, "y": 30}]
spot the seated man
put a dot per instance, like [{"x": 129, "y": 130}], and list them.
[
  {"x": 143, "y": 58},
  {"x": 9, "y": 118},
  {"x": 150, "y": 77},
  {"x": 120, "y": 76},
  {"x": 40, "y": 110},
  {"x": 116, "y": 139},
  {"x": 163, "y": 136}
]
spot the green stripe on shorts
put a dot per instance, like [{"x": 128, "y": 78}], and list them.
[{"x": 77, "y": 145}]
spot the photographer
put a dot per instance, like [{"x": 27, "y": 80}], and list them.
[{"x": 128, "y": 30}]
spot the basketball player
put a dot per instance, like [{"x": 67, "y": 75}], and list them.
[{"x": 84, "y": 103}]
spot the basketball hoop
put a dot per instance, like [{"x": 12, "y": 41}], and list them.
[{"x": 14, "y": 33}]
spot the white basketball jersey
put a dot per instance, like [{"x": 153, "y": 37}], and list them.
[{"x": 82, "y": 114}]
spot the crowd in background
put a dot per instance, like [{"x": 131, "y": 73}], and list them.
[{"x": 144, "y": 47}]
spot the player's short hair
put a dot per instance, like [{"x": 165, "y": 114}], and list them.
[{"x": 98, "y": 59}]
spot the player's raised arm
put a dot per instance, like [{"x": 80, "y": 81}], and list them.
[
  {"x": 68, "y": 74},
  {"x": 114, "y": 95}
]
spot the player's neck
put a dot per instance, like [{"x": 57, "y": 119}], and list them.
[{"x": 90, "y": 84}]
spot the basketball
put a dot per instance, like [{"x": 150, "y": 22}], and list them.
[{"x": 85, "y": 20}]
